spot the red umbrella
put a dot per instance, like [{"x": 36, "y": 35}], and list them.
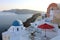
[{"x": 45, "y": 26}]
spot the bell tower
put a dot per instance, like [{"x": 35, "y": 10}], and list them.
[{"x": 50, "y": 10}]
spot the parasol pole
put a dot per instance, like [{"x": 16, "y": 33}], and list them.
[{"x": 45, "y": 32}]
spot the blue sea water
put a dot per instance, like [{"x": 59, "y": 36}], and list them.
[{"x": 24, "y": 17}]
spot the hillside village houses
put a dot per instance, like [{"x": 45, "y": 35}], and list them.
[{"x": 18, "y": 32}]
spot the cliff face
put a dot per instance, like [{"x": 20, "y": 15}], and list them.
[{"x": 31, "y": 20}]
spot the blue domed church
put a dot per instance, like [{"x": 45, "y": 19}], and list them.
[{"x": 15, "y": 29}]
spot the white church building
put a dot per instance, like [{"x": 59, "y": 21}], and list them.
[{"x": 13, "y": 33}]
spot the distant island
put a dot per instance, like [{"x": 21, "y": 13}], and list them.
[{"x": 23, "y": 11}]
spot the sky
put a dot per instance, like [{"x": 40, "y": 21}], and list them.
[{"x": 39, "y": 5}]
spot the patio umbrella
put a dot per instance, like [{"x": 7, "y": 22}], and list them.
[{"x": 45, "y": 26}]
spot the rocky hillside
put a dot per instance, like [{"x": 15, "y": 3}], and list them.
[{"x": 31, "y": 20}]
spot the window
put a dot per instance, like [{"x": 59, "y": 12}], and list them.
[
  {"x": 17, "y": 29},
  {"x": 52, "y": 9},
  {"x": 45, "y": 15},
  {"x": 42, "y": 17}
]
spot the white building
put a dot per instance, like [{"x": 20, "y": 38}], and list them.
[
  {"x": 13, "y": 33},
  {"x": 47, "y": 20}
]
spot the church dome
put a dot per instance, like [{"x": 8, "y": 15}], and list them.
[{"x": 16, "y": 23}]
